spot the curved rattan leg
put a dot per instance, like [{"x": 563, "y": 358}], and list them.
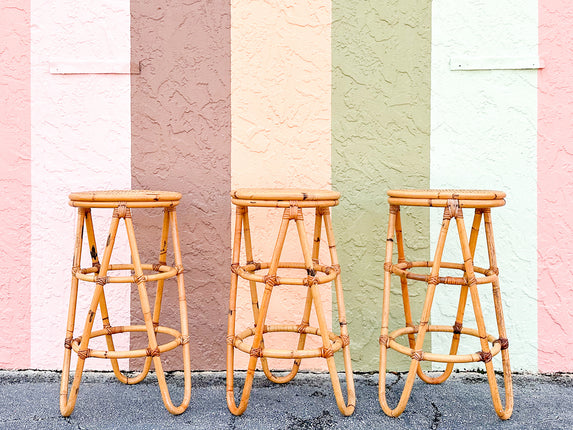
[
  {"x": 417, "y": 356},
  {"x": 503, "y": 413},
  {"x": 258, "y": 336},
  {"x": 67, "y": 404},
  {"x": 153, "y": 350}
]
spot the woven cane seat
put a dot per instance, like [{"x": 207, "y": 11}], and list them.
[
  {"x": 439, "y": 198},
  {"x": 281, "y": 197},
  {"x": 131, "y": 198}
]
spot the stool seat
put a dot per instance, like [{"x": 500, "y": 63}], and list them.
[
  {"x": 439, "y": 198},
  {"x": 131, "y": 198},
  {"x": 287, "y": 194}
]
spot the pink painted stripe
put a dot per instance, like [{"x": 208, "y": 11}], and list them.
[
  {"x": 15, "y": 183},
  {"x": 555, "y": 186}
]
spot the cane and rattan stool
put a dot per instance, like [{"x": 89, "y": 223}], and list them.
[
  {"x": 122, "y": 203},
  {"x": 453, "y": 202},
  {"x": 315, "y": 273}
]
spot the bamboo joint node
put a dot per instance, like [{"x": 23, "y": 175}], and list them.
[
  {"x": 84, "y": 353},
  {"x": 152, "y": 352},
  {"x": 101, "y": 280},
  {"x": 256, "y": 352},
  {"x": 503, "y": 342},
  {"x": 326, "y": 352},
  {"x": 485, "y": 356},
  {"x": 418, "y": 355},
  {"x": 271, "y": 280}
]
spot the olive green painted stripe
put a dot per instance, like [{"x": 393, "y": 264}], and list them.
[{"x": 380, "y": 140}]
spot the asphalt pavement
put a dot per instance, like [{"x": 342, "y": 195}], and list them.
[{"x": 29, "y": 400}]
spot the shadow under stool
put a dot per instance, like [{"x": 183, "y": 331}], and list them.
[
  {"x": 122, "y": 203},
  {"x": 293, "y": 202},
  {"x": 453, "y": 202}
]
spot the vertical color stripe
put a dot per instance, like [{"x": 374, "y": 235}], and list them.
[
  {"x": 281, "y": 130},
  {"x": 555, "y": 187},
  {"x": 80, "y": 140},
  {"x": 15, "y": 180},
  {"x": 483, "y": 136},
  {"x": 380, "y": 140},
  {"x": 181, "y": 142}
]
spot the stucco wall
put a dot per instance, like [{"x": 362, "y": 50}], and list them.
[
  {"x": 15, "y": 183},
  {"x": 380, "y": 141},
  {"x": 80, "y": 140},
  {"x": 181, "y": 141},
  {"x": 484, "y": 136},
  {"x": 555, "y": 187},
  {"x": 281, "y": 132}
]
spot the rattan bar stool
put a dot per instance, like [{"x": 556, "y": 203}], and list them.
[
  {"x": 122, "y": 203},
  {"x": 453, "y": 202},
  {"x": 293, "y": 201}
]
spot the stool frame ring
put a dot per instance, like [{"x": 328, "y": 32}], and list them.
[
  {"x": 330, "y": 342},
  {"x": 98, "y": 275},
  {"x": 469, "y": 283}
]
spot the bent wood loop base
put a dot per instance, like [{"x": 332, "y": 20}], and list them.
[
  {"x": 122, "y": 202},
  {"x": 316, "y": 273},
  {"x": 452, "y": 201}
]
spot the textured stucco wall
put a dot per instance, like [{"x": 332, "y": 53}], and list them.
[
  {"x": 484, "y": 136},
  {"x": 181, "y": 142},
  {"x": 555, "y": 186},
  {"x": 281, "y": 131},
  {"x": 80, "y": 140},
  {"x": 15, "y": 183},
  {"x": 380, "y": 140}
]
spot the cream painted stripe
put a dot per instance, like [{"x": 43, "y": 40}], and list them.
[
  {"x": 484, "y": 136},
  {"x": 80, "y": 141},
  {"x": 280, "y": 114}
]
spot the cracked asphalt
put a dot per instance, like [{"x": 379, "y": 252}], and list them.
[{"x": 29, "y": 400}]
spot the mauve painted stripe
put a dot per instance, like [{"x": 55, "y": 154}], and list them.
[
  {"x": 15, "y": 178},
  {"x": 555, "y": 187},
  {"x": 181, "y": 142}
]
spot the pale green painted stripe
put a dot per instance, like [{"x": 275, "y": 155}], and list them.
[{"x": 380, "y": 140}]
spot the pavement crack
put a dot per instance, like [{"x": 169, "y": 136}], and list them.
[
  {"x": 398, "y": 379},
  {"x": 437, "y": 417}
]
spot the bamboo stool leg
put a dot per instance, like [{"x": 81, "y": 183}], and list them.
[
  {"x": 256, "y": 345},
  {"x": 153, "y": 350},
  {"x": 503, "y": 413},
  {"x": 417, "y": 356},
  {"x": 255, "y": 305},
  {"x": 460, "y": 312},
  {"x": 67, "y": 404},
  {"x": 351, "y": 393},
  {"x": 103, "y": 304},
  {"x": 158, "y": 299}
]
